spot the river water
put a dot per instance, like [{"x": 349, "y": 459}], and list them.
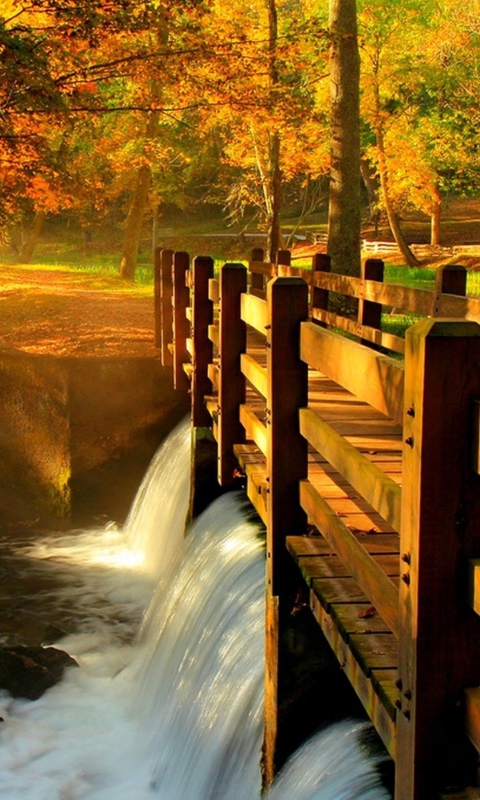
[{"x": 167, "y": 700}]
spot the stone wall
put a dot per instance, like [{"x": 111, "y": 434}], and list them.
[{"x": 76, "y": 434}]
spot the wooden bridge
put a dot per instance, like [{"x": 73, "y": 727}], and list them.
[{"x": 360, "y": 452}]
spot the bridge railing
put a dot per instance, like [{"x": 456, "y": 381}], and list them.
[{"x": 244, "y": 356}]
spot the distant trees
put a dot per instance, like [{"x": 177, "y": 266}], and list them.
[{"x": 129, "y": 104}]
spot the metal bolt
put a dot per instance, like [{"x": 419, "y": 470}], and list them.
[
  {"x": 407, "y": 714},
  {"x": 406, "y": 578},
  {"x": 399, "y": 684},
  {"x": 406, "y": 558},
  {"x": 411, "y": 412},
  {"x": 408, "y": 694},
  {"x": 409, "y": 441}
]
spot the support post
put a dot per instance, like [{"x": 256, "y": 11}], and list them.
[
  {"x": 319, "y": 297},
  {"x": 283, "y": 262},
  {"x": 451, "y": 279},
  {"x": 231, "y": 390},
  {"x": 202, "y": 317},
  {"x": 166, "y": 309},
  {"x": 157, "y": 291},
  {"x": 369, "y": 313},
  {"x": 256, "y": 280},
  {"x": 181, "y": 325},
  {"x": 287, "y": 456},
  {"x": 439, "y": 639}
]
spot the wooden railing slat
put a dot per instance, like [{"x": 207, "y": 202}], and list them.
[
  {"x": 372, "y": 377},
  {"x": 387, "y": 340},
  {"x": 255, "y": 373},
  {"x": 377, "y": 586},
  {"x": 254, "y": 428},
  {"x": 380, "y": 491},
  {"x": 254, "y": 312},
  {"x": 213, "y": 290}
]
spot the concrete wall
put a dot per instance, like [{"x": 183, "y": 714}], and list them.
[{"x": 76, "y": 434}]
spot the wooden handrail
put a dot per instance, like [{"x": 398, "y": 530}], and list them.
[{"x": 371, "y": 376}]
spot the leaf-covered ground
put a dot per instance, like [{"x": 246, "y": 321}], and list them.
[{"x": 65, "y": 314}]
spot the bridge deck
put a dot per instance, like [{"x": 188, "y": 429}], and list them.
[{"x": 365, "y": 647}]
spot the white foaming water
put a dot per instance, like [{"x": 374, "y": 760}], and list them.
[{"x": 176, "y": 713}]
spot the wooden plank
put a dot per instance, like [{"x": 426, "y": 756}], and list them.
[
  {"x": 317, "y": 545},
  {"x": 213, "y": 290},
  {"x": 376, "y": 585},
  {"x": 376, "y": 700},
  {"x": 370, "y": 314},
  {"x": 371, "y": 335},
  {"x": 254, "y": 373},
  {"x": 331, "y": 566},
  {"x": 437, "y": 538},
  {"x": 254, "y": 312},
  {"x": 372, "y": 377},
  {"x": 474, "y": 584},
  {"x": 472, "y": 716},
  {"x": 181, "y": 327},
  {"x": 202, "y": 355},
  {"x": 321, "y": 262},
  {"x": 287, "y": 391},
  {"x": 262, "y": 268},
  {"x": 254, "y": 428},
  {"x": 165, "y": 301},
  {"x": 213, "y": 374},
  {"x": 213, "y": 333},
  {"x": 375, "y": 651},
  {"x": 358, "y": 618},
  {"x": 231, "y": 388},
  {"x": 383, "y": 494}
]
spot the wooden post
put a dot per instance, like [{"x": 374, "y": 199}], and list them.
[
  {"x": 439, "y": 639},
  {"x": 283, "y": 262},
  {"x": 181, "y": 325},
  {"x": 451, "y": 279},
  {"x": 157, "y": 310},
  {"x": 166, "y": 310},
  {"x": 369, "y": 313},
  {"x": 319, "y": 297},
  {"x": 202, "y": 317},
  {"x": 231, "y": 389},
  {"x": 256, "y": 280},
  {"x": 287, "y": 381}
]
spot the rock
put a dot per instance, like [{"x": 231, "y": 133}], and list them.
[{"x": 29, "y": 671}]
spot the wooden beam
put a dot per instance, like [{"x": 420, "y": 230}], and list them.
[
  {"x": 254, "y": 428},
  {"x": 232, "y": 343},
  {"x": 372, "y": 377},
  {"x": 254, "y": 312},
  {"x": 370, "y": 577},
  {"x": 372, "y": 335},
  {"x": 181, "y": 327},
  {"x": 202, "y": 317},
  {"x": 440, "y": 524},
  {"x": 321, "y": 262},
  {"x": 370, "y": 314},
  {"x": 254, "y": 373},
  {"x": 165, "y": 310},
  {"x": 213, "y": 290},
  {"x": 472, "y": 716},
  {"x": 380, "y": 491}
]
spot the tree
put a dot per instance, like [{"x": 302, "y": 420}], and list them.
[{"x": 344, "y": 217}]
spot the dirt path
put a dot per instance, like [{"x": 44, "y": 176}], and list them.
[{"x": 64, "y": 314}]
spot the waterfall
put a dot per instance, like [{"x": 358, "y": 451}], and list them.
[{"x": 167, "y": 701}]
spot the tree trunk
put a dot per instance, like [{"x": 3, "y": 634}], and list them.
[
  {"x": 395, "y": 228},
  {"x": 134, "y": 221},
  {"x": 344, "y": 216},
  {"x": 436, "y": 222},
  {"x": 274, "y": 233},
  {"x": 33, "y": 235},
  {"x": 275, "y": 175}
]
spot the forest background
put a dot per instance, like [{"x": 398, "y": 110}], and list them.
[{"x": 117, "y": 116}]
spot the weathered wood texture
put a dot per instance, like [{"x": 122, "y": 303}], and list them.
[
  {"x": 202, "y": 350},
  {"x": 231, "y": 387},
  {"x": 439, "y": 634},
  {"x": 181, "y": 325},
  {"x": 163, "y": 305},
  {"x": 287, "y": 464}
]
